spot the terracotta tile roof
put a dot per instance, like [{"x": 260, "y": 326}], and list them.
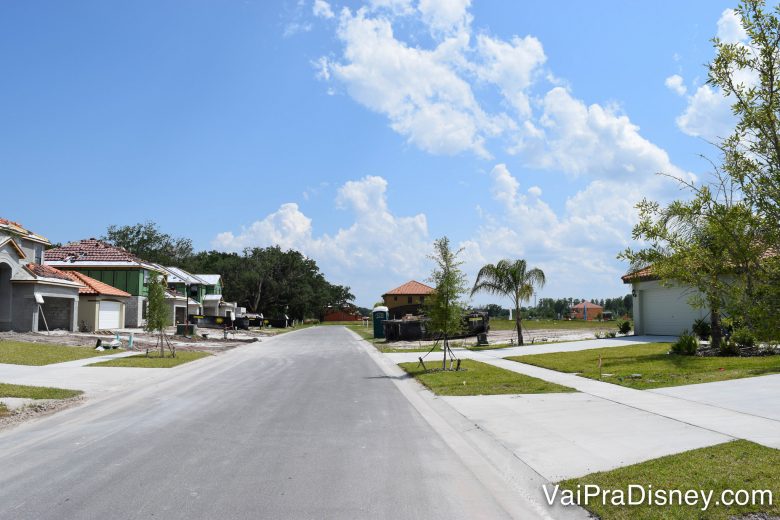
[
  {"x": 47, "y": 271},
  {"x": 412, "y": 287},
  {"x": 639, "y": 276},
  {"x": 90, "y": 250},
  {"x": 92, "y": 286},
  {"x": 18, "y": 229},
  {"x": 590, "y": 305}
]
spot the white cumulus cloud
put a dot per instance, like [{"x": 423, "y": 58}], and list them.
[
  {"x": 376, "y": 241},
  {"x": 322, "y": 9},
  {"x": 676, "y": 84},
  {"x": 417, "y": 89},
  {"x": 730, "y": 29},
  {"x": 707, "y": 115},
  {"x": 511, "y": 65}
]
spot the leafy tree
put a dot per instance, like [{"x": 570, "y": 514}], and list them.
[
  {"x": 706, "y": 243},
  {"x": 444, "y": 308},
  {"x": 496, "y": 311},
  {"x": 146, "y": 241},
  {"x": 158, "y": 315},
  {"x": 513, "y": 280},
  {"x": 749, "y": 74}
]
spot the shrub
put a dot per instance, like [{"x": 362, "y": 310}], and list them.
[
  {"x": 729, "y": 348},
  {"x": 743, "y": 337},
  {"x": 624, "y": 327},
  {"x": 611, "y": 334},
  {"x": 686, "y": 345},
  {"x": 599, "y": 335},
  {"x": 702, "y": 328}
]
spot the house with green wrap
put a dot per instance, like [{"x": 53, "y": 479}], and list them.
[{"x": 111, "y": 265}]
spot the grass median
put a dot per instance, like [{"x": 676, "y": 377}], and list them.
[
  {"x": 37, "y": 354},
  {"x": 153, "y": 360},
  {"x": 733, "y": 466},
  {"x": 649, "y": 366},
  {"x": 475, "y": 378},
  {"x": 36, "y": 392}
]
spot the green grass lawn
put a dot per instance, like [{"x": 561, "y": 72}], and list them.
[
  {"x": 658, "y": 369},
  {"x": 22, "y": 353},
  {"x": 154, "y": 360},
  {"x": 36, "y": 392},
  {"x": 477, "y": 378},
  {"x": 731, "y": 466},
  {"x": 498, "y": 324}
]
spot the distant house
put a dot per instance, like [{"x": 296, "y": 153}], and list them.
[
  {"x": 587, "y": 311},
  {"x": 183, "y": 282},
  {"x": 345, "y": 313},
  {"x": 661, "y": 309},
  {"x": 111, "y": 265},
  {"x": 101, "y": 306},
  {"x": 213, "y": 304},
  {"x": 408, "y": 298},
  {"x": 33, "y": 296}
]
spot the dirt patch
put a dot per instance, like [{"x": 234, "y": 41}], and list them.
[
  {"x": 504, "y": 337},
  {"x": 216, "y": 341},
  {"x": 37, "y": 410}
]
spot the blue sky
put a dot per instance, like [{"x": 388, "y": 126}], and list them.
[{"x": 359, "y": 132}]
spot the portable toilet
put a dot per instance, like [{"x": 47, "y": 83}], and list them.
[{"x": 380, "y": 314}]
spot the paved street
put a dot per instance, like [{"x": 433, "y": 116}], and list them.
[{"x": 302, "y": 426}]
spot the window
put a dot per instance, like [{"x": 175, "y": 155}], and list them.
[
  {"x": 395, "y": 298},
  {"x": 422, "y": 299},
  {"x": 146, "y": 277},
  {"x": 409, "y": 299}
]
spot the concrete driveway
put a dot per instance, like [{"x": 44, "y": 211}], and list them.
[{"x": 751, "y": 395}]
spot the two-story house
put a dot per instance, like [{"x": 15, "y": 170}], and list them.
[
  {"x": 33, "y": 296},
  {"x": 183, "y": 282},
  {"x": 113, "y": 266},
  {"x": 213, "y": 304},
  {"x": 408, "y": 298}
]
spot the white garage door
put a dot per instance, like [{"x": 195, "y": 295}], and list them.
[
  {"x": 666, "y": 311},
  {"x": 108, "y": 315}
]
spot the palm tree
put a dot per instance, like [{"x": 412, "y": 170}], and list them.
[{"x": 511, "y": 279}]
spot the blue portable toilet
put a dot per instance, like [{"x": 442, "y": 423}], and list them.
[{"x": 380, "y": 314}]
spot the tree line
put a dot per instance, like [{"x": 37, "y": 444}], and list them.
[
  {"x": 265, "y": 280},
  {"x": 561, "y": 308}
]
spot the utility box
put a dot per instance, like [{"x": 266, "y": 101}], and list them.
[{"x": 380, "y": 315}]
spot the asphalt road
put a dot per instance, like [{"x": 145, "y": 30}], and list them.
[{"x": 303, "y": 426}]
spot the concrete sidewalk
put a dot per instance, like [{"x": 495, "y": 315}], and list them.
[
  {"x": 77, "y": 375},
  {"x": 605, "y": 426}
]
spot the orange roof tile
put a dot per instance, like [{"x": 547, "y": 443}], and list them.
[
  {"x": 90, "y": 250},
  {"x": 590, "y": 305},
  {"x": 47, "y": 271},
  {"x": 92, "y": 286},
  {"x": 639, "y": 276},
  {"x": 412, "y": 287},
  {"x": 18, "y": 229}
]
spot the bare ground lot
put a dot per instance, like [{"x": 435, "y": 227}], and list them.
[
  {"x": 503, "y": 337},
  {"x": 216, "y": 341}
]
